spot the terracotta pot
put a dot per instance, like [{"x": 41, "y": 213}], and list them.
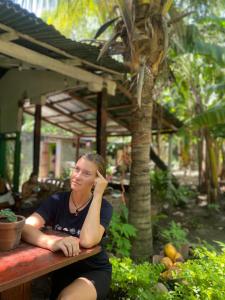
[{"x": 10, "y": 233}]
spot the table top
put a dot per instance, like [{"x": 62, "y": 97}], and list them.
[{"x": 28, "y": 262}]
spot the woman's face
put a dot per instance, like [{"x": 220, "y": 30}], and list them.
[{"x": 84, "y": 175}]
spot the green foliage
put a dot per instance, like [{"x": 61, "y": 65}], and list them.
[
  {"x": 134, "y": 281},
  {"x": 120, "y": 233},
  {"x": 66, "y": 173},
  {"x": 175, "y": 234},
  {"x": 8, "y": 214},
  {"x": 164, "y": 190},
  {"x": 203, "y": 277},
  {"x": 209, "y": 118},
  {"x": 213, "y": 207}
]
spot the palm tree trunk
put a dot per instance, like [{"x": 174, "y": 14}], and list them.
[{"x": 140, "y": 196}]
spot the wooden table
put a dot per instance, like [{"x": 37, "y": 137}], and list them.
[{"x": 19, "y": 266}]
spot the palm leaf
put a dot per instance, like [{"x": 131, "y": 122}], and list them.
[
  {"x": 216, "y": 52},
  {"x": 209, "y": 118},
  {"x": 104, "y": 27},
  {"x": 126, "y": 11},
  {"x": 191, "y": 41},
  {"x": 107, "y": 45},
  {"x": 217, "y": 87},
  {"x": 220, "y": 22}
]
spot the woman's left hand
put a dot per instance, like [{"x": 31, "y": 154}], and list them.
[{"x": 100, "y": 184}]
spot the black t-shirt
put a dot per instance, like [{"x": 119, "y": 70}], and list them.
[{"x": 55, "y": 212}]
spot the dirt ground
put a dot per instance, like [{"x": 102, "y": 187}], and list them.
[{"x": 201, "y": 222}]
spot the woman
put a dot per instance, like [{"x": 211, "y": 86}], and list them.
[{"x": 85, "y": 216}]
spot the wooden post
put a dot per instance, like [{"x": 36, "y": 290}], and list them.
[
  {"x": 37, "y": 138},
  {"x": 77, "y": 148},
  {"x": 58, "y": 158},
  {"x": 101, "y": 134},
  {"x": 16, "y": 172},
  {"x": 2, "y": 155}
]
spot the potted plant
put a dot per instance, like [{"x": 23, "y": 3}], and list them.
[{"x": 11, "y": 226}]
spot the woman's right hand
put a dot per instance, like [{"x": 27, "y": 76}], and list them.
[{"x": 69, "y": 246}]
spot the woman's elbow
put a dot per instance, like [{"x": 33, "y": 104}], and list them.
[{"x": 88, "y": 242}]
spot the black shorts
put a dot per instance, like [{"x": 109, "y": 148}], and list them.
[{"x": 101, "y": 279}]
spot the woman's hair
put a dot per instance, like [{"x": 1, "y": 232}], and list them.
[{"x": 97, "y": 160}]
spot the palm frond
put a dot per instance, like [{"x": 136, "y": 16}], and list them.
[
  {"x": 126, "y": 10},
  {"x": 191, "y": 41},
  {"x": 140, "y": 82},
  {"x": 209, "y": 118},
  {"x": 220, "y": 22},
  {"x": 104, "y": 27},
  {"x": 217, "y": 87},
  {"x": 107, "y": 45},
  {"x": 216, "y": 52}
]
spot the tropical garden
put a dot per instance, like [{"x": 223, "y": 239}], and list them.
[{"x": 176, "y": 56}]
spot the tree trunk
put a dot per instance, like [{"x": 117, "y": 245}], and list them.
[
  {"x": 222, "y": 173},
  {"x": 140, "y": 197},
  {"x": 148, "y": 51},
  {"x": 213, "y": 179}
]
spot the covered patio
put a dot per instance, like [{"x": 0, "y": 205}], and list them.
[{"x": 61, "y": 82}]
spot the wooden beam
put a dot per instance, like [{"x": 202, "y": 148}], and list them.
[
  {"x": 101, "y": 135},
  {"x": 77, "y": 148},
  {"x": 73, "y": 59},
  {"x": 59, "y": 101},
  {"x": 92, "y": 105},
  {"x": 88, "y": 110},
  {"x": 125, "y": 91},
  {"x": 55, "y": 124},
  {"x": 17, "y": 163},
  {"x": 128, "y": 115},
  {"x": 8, "y": 36},
  {"x": 69, "y": 114},
  {"x": 37, "y": 138},
  {"x": 46, "y": 62},
  {"x": 122, "y": 106}
]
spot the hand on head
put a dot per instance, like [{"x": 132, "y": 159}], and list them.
[{"x": 100, "y": 184}]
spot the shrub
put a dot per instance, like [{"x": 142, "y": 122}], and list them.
[
  {"x": 175, "y": 234},
  {"x": 163, "y": 189},
  {"x": 120, "y": 232},
  {"x": 203, "y": 277},
  {"x": 134, "y": 281}
]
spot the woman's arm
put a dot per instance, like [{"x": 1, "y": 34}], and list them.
[
  {"x": 92, "y": 231},
  {"x": 31, "y": 233}
]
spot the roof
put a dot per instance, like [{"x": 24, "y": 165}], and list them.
[
  {"x": 74, "y": 109},
  {"x": 21, "y": 20}
]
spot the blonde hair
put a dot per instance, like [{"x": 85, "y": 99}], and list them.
[{"x": 97, "y": 160}]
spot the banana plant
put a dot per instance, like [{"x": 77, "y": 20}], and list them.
[{"x": 210, "y": 118}]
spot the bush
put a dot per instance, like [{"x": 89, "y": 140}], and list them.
[
  {"x": 175, "y": 235},
  {"x": 163, "y": 189},
  {"x": 203, "y": 277},
  {"x": 134, "y": 281},
  {"x": 120, "y": 232}
]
